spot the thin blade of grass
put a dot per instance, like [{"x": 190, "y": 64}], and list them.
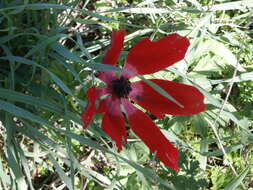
[
  {"x": 44, "y": 42},
  {"x": 241, "y": 5},
  {"x": 25, "y": 165},
  {"x": 61, "y": 173},
  {"x": 56, "y": 79},
  {"x": 237, "y": 180},
  {"x": 71, "y": 56},
  {"x": 11, "y": 153}
]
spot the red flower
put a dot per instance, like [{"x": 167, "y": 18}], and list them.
[{"x": 145, "y": 57}]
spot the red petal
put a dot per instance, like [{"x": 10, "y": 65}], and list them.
[
  {"x": 92, "y": 94},
  {"x": 89, "y": 111},
  {"x": 113, "y": 122},
  {"x": 102, "y": 106},
  {"x": 151, "y": 100},
  {"x": 112, "y": 54},
  {"x": 148, "y": 57},
  {"x": 150, "y": 134}
]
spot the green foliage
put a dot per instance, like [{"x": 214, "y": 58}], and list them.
[
  {"x": 49, "y": 51},
  {"x": 219, "y": 180}
]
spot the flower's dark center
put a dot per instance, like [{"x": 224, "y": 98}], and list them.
[{"x": 121, "y": 87}]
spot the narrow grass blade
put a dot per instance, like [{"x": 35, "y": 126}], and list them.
[
  {"x": 237, "y": 180},
  {"x": 25, "y": 165},
  {"x": 56, "y": 79},
  {"x": 44, "y": 42},
  {"x": 241, "y": 5},
  {"x": 71, "y": 56},
  {"x": 202, "y": 158},
  {"x": 61, "y": 173},
  {"x": 219, "y": 152},
  {"x": 31, "y": 100},
  {"x": 11, "y": 153}
]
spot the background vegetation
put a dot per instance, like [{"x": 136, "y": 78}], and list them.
[{"x": 49, "y": 51}]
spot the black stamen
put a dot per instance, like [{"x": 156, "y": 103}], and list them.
[{"x": 121, "y": 87}]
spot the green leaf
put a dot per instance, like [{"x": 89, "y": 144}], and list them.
[
  {"x": 145, "y": 10},
  {"x": 200, "y": 125},
  {"x": 176, "y": 140},
  {"x": 219, "y": 152},
  {"x": 220, "y": 51},
  {"x": 8, "y": 38},
  {"x": 57, "y": 80},
  {"x": 25, "y": 165},
  {"x": 11, "y": 153},
  {"x": 145, "y": 171},
  {"x": 43, "y": 43},
  {"x": 202, "y": 158},
  {"x": 241, "y": 5},
  {"x": 43, "y": 140},
  {"x": 61, "y": 173},
  {"x": 37, "y": 102},
  {"x": 71, "y": 56},
  {"x": 68, "y": 66},
  {"x": 237, "y": 180},
  {"x": 240, "y": 78},
  {"x": 35, "y": 6}
]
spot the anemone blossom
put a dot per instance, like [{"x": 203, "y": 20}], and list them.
[{"x": 121, "y": 95}]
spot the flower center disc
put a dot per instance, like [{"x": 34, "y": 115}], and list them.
[{"x": 121, "y": 87}]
